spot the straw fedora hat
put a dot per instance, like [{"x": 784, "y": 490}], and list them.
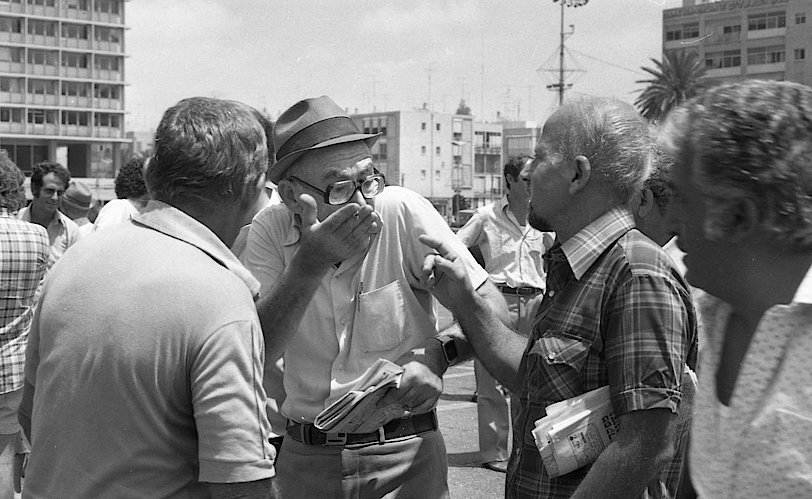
[
  {"x": 77, "y": 196},
  {"x": 311, "y": 124}
]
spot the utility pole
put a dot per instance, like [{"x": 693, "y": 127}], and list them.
[{"x": 561, "y": 86}]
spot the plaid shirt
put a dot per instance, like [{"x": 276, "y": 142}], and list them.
[
  {"x": 616, "y": 312},
  {"x": 24, "y": 252}
]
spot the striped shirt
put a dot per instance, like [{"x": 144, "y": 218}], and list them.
[
  {"x": 616, "y": 312},
  {"x": 24, "y": 253}
]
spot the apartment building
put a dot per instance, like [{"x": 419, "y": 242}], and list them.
[
  {"x": 740, "y": 39},
  {"x": 62, "y": 83},
  {"x": 428, "y": 152}
]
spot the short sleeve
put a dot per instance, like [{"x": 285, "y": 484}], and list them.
[
  {"x": 471, "y": 233},
  {"x": 647, "y": 341},
  {"x": 263, "y": 255},
  {"x": 229, "y": 406}
]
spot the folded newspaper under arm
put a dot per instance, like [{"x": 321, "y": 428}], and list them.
[
  {"x": 575, "y": 431},
  {"x": 357, "y": 410}
]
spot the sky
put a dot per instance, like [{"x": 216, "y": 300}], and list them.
[{"x": 499, "y": 55}]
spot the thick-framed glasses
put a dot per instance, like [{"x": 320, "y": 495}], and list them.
[{"x": 342, "y": 191}]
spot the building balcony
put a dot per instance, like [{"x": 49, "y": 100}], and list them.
[
  {"x": 41, "y": 69},
  {"x": 108, "y": 46},
  {"x": 108, "y": 75},
  {"x": 723, "y": 72},
  {"x": 722, "y": 38},
  {"x": 75, "y": 101},
  {"x": 10, "y": 127},
  {"x": 12, "y": 7},
  {"x": 12, "y": 98},
  {"x": 766, "y": 33},
  {"x": 775, "y": 67},
  {"x": 76, "y": 43},
  {"x": 108, "y": 132},
  {"x": 41, "y": 10},
  {"x": 76, "y": 14},
  {"x": 48, "y": 41},
  {"x": 75, "y": 72},
  {"x": 11, "y": 37},
  {"x": 42, "y": 99},
  {"x": 76, "y": 130},
  {"x": 487, "y": 150},
  {"x": 12, "y": 67},
  {"x": 104, "y": 17},
  {"x": 43, "y": 129},
  {"x": 108, "y": 104}
]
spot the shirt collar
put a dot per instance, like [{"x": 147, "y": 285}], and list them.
[
  {"x": 25, "y": 215},
  {"x": 804, "y": 292},
  {"x": 171, "y": 221},
  {"x": 589, "y": 243}
]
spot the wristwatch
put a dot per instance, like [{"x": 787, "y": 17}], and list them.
[{"x": 449, "y": 348}]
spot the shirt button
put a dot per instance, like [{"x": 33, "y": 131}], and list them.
[
  {"x": 551, "y": 355},
  {"x": 341, "y": 367},
  {"x": 341, "y": 322},
  {"x": 551, "y": 293}
]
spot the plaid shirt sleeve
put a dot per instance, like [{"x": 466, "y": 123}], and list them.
[{"x": 645, "y": 343}]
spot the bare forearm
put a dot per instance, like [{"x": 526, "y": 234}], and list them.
[
  {"x": 495, "y": 344},
  {"x": 282, "y": 310},
  {"x": 628, "y": 464}
]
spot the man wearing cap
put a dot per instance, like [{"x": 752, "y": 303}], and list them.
[
  {"x": 76, "y": 203},
  {"x": 48, "y": 184},
  {"x": 340, "y": 289},
  {"x": 144, "y": 371}
]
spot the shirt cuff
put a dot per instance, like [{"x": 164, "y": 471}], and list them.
[
  {"x": 643, "y": 398},
  {"x": 224, "y": 472}
]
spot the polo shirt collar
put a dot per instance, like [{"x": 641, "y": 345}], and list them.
[
  {"x": 804, "y": 292},
  {"x": 589, "y": 243},
  {"x": 25, "y": 215},
  {"x": 173, "y": 222}
]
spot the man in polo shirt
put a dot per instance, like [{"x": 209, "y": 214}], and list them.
[
  {"x": 48, "y": 184},
  {"x": 512, "y": 254},
  {"x": 616, "y": 311},
  {"x": 339, "y": 264},
  {"x": 144, "y": 370}
]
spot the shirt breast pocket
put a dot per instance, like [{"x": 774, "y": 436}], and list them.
[
  {"x": 380, "y": 319},
  {"x": 561, "y": 351}
]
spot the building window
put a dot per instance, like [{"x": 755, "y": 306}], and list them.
[
  {"x": 765, "y": 55},
  {"x": 800, "y": 54},
  {"x": 767, "y": 20},
  {"x": 800, "y": 18},
  {"x": 684, "y": 32},
  {"x": 107, "y": 63},
  {"x": 43, "y": 28},
  {"x": 726, "y": 59},
  {"x": 383, "y": 125},
  {"x": 11, "y": 54},
  {"x": 74, "y": 60},
  {"x": 11, "y": 25},
  {"x": 11, "y": 115},
  {"x": 437, "y": 151},
  {"x": 106, "y": 119},
  {"x": 437, "y": 175},
  {"x": 11, "y": 85},
  {"x": 75, "y": 31},
  {"x": 382, "y": 150},
  {"x": 422, "y": 174},
  {"x": 42, "y": 57},
  {"x": 107, "y": 6},
  {"x": 77, "y": 4},
  {"x": 41, "y": 117},
  {"x": 74, "y": 118},
  {"x": 423, "y": 126},
  {"x": 43, "y": 3},
  {"x": 42, "y": 87},
  {"x": 437, "y": 126},
  {"x": 106, "y": 92},
  {"x": 110, "y": 35}
]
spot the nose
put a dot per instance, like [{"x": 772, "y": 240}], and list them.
[
  {"x": 56, "y": 196},
  {"x": 357, "y": 197}
]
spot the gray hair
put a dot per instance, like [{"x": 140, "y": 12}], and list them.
[
  {"x": 615, "y": 139},
  {"x": 12, "y": 195},
  {"x": 750, "y": 140},
  {"x": 207, "y": 150}
]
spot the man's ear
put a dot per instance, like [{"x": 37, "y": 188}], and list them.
[
  {"x": 642, "y": 202},
  {"x": 581, "y": 171},
  {"x": 288, "y": 195},
  {"x": 740, "y": 218}
]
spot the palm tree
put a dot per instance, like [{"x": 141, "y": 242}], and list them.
[{"x": 679, "y": 76}]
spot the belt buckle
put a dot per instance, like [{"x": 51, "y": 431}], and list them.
[{"x": 335, "y": 439}]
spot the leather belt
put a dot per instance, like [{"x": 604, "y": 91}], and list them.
[
  {"x": 522, "y": 291},
  {"x": 397, "y": 428}
]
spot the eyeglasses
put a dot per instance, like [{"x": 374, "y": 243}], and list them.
[{"x": 342, "y": 191}]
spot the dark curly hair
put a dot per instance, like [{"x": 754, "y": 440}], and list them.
[
  {"x": 130, "y": 182},
  {"x": 12, "y": 195},
  {"x": 750, "y": 140},
  {"x": 44, "y": 168}
]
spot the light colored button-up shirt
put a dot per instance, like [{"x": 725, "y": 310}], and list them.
[
  {"x": 62, "y": 233},
  {"x": 511, "y": 250},
  {"x": 372, "y": 306},
  {"x": 760, "y": 444}
]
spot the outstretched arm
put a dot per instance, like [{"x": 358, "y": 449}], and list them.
[{"x": 494, "y": 343}]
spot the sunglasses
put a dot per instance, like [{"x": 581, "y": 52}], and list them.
[{"x": 342, "y": 191}]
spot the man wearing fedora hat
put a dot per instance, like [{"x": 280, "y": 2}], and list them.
[
  {"x": 76, "y": 204},
  {"x": 339, "y": 264}
]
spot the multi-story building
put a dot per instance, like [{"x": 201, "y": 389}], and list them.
[
  {"x": 488, "y": 163},
  {"x": 428, "y": 152},
  {"x": 62, "y": 83},
  {"x": 739, "y": 39}
]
